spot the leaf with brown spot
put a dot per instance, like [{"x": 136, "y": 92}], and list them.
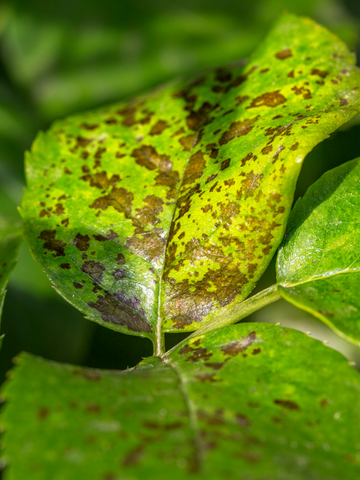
[
  {"x": 179, "y": 419},
  {"x": 192, "y": 185}
]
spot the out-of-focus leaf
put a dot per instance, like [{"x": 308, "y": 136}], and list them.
[
  {"x": 318, "y": 266},
  {"x": 75, "y": 56},
  {"x": 162, "y": 213},
  {"x": 10, "y": 240},
  {"x": 246, "y": 401}
]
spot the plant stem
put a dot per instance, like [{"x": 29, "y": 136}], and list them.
[
  {"x": 243, "y": 310},
  {"x": 159, "y": 345}
]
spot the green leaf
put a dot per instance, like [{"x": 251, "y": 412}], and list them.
[
  {"x": 10, "y": 241},
  {"x": 318, "y": 265},
  {"x": 162, "y": 213},
  {"x": 246, "y": 401}
]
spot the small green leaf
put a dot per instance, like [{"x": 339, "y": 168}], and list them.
[
  {"x": 10, "y": 241},
  {"x": 318, "y": 265},
  {"x": 240, "y": 402},
  {"x": 162, "y": 213}
]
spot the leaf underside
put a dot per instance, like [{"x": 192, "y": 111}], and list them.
[
  {"x": 251, "y": 401},
  {"x": 318, "y": 265},
  {"x": 162, "y": 213},
  {"x": 10, "y": 240}
]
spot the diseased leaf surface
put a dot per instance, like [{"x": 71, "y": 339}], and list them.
[
  {"x": 163, "y": 212},
  {"x": 10, "y": 240},
  {"x": 318, "y": 266},
  {"x": 251, "y": 401}
]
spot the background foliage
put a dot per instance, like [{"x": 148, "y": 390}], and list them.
[{"x": 57, "y": 58}]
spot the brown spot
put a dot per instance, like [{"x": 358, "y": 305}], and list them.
[
  {"x": 225, "y": 164},
  {"x": 77, "y": 285},
  {"x": 93, "y": 407},
  {"x": 291, "y": 74},
  {"x": 81, "y": 242},
  {"x": 100, "y": 180},
  {"x": 256, "y": 351},
  {"x": 159, "y": 127},
  {"x": 119, "y": 273},
  {"x": 188, "y": 142},
  {"x": 197, "y": 354},
  {"x": 118, "y": 309},
  {"x": 295, "y": 146},
  {"x": 91, "y": 375},
  {"x": 269, "y": 99},
  {"x": 215, "y": 366},
  {"x": 51, "y": 244},
  {"x": 133, "y": 457},
  {"x": 66, "y": 266},
  {"x": 343, "y": 102},
  {"x": 237, "y": 129},
  {"x": 241, "y": 99},
  {"x": 120, "y": 259},
  {"x": 320, "y": 73},
  {"x": 43, "y": 413},
  {"x": 289, "y": 404},
  {"x": 242, "y": 420},
  {"x": 88, "y": 126},
  {"x": 207, "y": 377},
  {"x": 326, "y": 313},
  {"x": 324, "y": 402},
  {"x": 94, "y": 269},
  {"x": 266, "y": 150},
  {"x": 234, "y": 348},
  {"x": 286, "y": 53}
]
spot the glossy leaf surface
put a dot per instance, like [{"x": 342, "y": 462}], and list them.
[
  {"x": 162, "y": 213},
  {"x": 252, "y": 401},
  {"x": 10, "y": 240},
  {"x": 319, "y": 262}
]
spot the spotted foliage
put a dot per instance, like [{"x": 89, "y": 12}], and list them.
[
  {"x": 240, "y": 403},
  {"x": 319, "y": 262},
  {"x": 163, "y": 212}
]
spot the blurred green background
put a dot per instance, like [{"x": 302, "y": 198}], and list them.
[{"x": 57, "y": 58}]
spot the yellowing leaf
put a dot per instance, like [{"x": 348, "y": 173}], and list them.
[{"x": 162, "y": 213}]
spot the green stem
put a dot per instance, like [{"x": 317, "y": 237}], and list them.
[
  {"x": 159, "y": 345},
  {"x": 239, "y": 312}
]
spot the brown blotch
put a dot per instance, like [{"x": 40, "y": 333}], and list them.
[
  {"x": 43, "y": 413},
  {"x": 324, "y": 402},
  {"x": 289, "y": 404},
  {"x": 88, "y": 374},
  {"x": 197, "y": 354},
  {"x": 93, "y": 407},
  {"x": 120, "y": 259},
  {"x": 234, "y": 348},
  {"x": 82, "y": 242},
  {"x": 343, "y": 102},
  {"x": 77, "y": 285},
  {"x": 118, "y": 309},
  {"x": 51, "y": 244},
  {"x": 133, "y": 457},
  {"x": 256, "y": 351},
  {"x": 207, "y": 377},
  {"x": 295, "y": 146},
  {"x": 159, "y": 127},
  {"x": 66, "y": 266},
  {"x": 94, "y": 269},
  {"x": 269, "y": 99},
  {"x": 225, "y": 164},
  {"x": 215, "y": 366},
  {"x": 237, "y": 129},
  {"x": 100, "y": 180},
  {"x": 119, "y": 273},
  {"x": 266, "y": 150},
  {"x": 320, "y": 73},
  {"x": 286, "y": 53},
  {"x": 241, "y": 99},
  {"x": 242, "y": 420}
]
